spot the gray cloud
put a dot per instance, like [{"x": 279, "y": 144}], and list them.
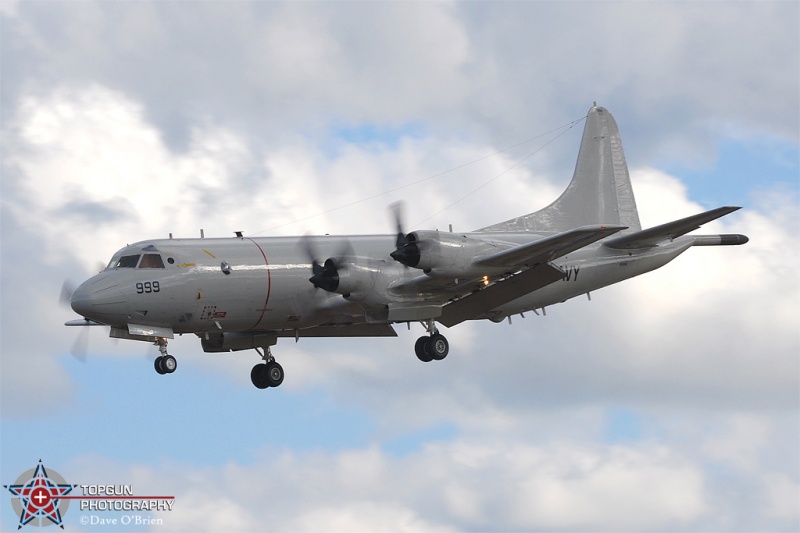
[{"x": 486, "y": 69}]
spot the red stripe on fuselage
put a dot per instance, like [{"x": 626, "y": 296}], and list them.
[{"x": 269, "y": 283}]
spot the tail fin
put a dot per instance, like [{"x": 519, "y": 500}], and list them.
[{"x": 600, "y": 191}]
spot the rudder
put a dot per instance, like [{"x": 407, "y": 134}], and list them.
[{"x": 600, "y": 191}]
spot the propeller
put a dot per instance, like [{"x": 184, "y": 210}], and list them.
[
  {"x": 81, "y": 345},
  {"x": 67, "y": 290},
  {"x": 406, "y": 247},
  {"x": 325, "y": 275}
]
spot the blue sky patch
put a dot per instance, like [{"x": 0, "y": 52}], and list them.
[
  {"x": 126, "y": 412},
  {"x": 622, "y": 425},
  {"x": 742, "y": 166},
  {"x": 413, "y": 442},
  {"x": 382, "y": 134}
]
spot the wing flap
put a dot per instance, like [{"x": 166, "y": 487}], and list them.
[
  {"x": 671, "y": 230},
  {"x": 548, "y": 248},
  {"x": 499, "y": 293}
]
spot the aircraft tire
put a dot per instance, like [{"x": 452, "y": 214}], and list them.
[
  {"x": 438, "y": 347},
  {"x": 274, "y": 374},
  {"x": 169, "y": 364},
  {"x": 259, "y": 376},
  {"x": 422, "y": 349},
  {"x": 157, "y": 365}
]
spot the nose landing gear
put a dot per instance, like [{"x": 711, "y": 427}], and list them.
[{"x": 164, "y": 363}]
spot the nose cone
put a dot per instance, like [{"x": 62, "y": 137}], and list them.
[
  {"x": 81, "y": 301},
  {"x": 100, "y": 299}
]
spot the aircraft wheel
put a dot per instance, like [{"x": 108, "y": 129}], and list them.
[
  {"x": 157, "y": 365},
  {"x": 168, "y": 364},
  {"x": 422, "y": 349},
  {"x": 438, "y": 347},
  {"x": 259, "y": 376},
  {"x": 274, "y": 374}
]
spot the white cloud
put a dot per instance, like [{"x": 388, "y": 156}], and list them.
[
  {"x": 364, "y": 65},
  {"x": 742, "y": 444},
  {"x": 446, "y": 486},
  {"x": 134, "y": 120},
  {"x": 87, "y": 157},
  {"x": 783, "y": 498}
]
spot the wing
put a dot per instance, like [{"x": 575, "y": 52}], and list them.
[
  {"x": 528, "y": 263},
  {"x": 499, "y": 293},
  {"x": 511, "y": 260},
  {"x": 548, "y": 248}
]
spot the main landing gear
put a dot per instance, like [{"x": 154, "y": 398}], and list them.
[
  {"x": 264, "y": 375},
  {"x": 164, "y": 363},
  {"x": 267, "y": 374},
  {"x": 432, "y": 348}
]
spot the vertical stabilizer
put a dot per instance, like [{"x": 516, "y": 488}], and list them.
[{"x": 600, "y": 191}]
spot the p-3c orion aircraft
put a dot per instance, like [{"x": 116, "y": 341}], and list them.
[{"x": 245, "y": 293}]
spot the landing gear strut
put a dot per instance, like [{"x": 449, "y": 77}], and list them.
[
  {"x": 267, "y": 374},
  {"x": 432, "y": 348},
  {"x": 164, "y": 363}
]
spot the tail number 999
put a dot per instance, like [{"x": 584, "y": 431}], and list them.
[{"x": 147, "y": 287}]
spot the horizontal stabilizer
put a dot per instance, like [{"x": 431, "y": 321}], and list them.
[
  {"x": 671, "y": 230},
  {"x": 499, "y": 293},
  {"x": 548, "y": 248}
]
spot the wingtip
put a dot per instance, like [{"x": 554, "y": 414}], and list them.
[{"x": 734, "y": 239}]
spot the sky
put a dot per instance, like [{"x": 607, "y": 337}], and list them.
[{"x": 669, "y": 402}]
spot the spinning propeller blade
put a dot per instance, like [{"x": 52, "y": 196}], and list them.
[
  {"x": 325, "y": 275},
  {"x": 406, "y": 248},
  {"x": 67, "y": 289}
]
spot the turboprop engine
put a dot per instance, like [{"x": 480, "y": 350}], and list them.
[
  {"x": 440, "y": 254},
  {"x": 342, "y": 276}
]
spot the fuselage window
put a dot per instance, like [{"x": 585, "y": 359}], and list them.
[
  {"x": 127, "y": 261},
  {"x": 151, "y": 261}
]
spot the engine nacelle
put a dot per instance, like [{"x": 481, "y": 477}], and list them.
[
  {"x": 355, "y": 279},
  {"x": 343, "y": 276},
  {"x": 440, "y": 253}
]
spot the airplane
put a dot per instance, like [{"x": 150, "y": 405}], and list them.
[{"x": 241, "y": 293}]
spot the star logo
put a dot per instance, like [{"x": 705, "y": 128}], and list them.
[{"x": 37, "y": 497}]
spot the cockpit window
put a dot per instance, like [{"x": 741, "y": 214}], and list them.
[
  {"x": 127, "y": 261},
  {"x": 151, "y": 261}
]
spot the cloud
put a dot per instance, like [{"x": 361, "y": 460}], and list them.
[
  {"x": 130, "y": 121},
  {"x": 499, "y": 379},
  {"x": 447, "y": 486}
]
